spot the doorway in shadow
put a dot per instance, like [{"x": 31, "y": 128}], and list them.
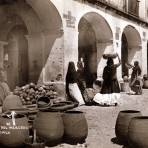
[
  {"x": 131, "y": 48},
  {"x": 88, "y": 51},
  {"x": 17, "y": 53},
  {"x": 95, "y": 37}
]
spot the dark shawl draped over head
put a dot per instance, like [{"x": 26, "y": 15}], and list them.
[
  {"x": 71, "y": 76},
  {"x": 110, "y": 82},
  {"x": 108, "y": 70}
]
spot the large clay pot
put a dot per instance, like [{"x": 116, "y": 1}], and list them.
[
  {"x": 122, "y": 124},
  {"x": 43, "y": 102},
  {"x": 63, "y": 106},
  {"x": 145, "y": 84},
  {"x": 12, "y": 102},
  {"x": 138, "y": 132},
  {"x": 49, "y": 126},
  {"x": 14, "y": 135},
  {"x": 125, "y": 87},
  {"x": 75, "y": 127}
]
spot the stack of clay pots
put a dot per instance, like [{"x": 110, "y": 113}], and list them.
[
  {"x": 132, "y": 129},
  {"x": 54, "y": 127}
]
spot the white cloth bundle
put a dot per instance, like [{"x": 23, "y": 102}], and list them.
[{"x": 106, "y": 99}]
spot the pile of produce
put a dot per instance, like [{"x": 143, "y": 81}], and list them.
[{"x": 31, "y": 92}]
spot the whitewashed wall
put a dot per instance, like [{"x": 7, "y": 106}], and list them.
[{"x": 78, "y": 10}]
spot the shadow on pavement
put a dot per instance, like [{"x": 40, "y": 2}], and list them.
[
  {"x": 116, "y": 141},
  {"x": 127, "y": 146}
]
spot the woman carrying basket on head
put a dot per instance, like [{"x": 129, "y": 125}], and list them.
[{"x": 110, "y": 92}]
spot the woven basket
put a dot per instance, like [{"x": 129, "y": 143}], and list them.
[{"x": 106, "y": 56}]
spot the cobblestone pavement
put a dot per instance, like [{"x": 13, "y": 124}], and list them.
[{"x": 101, "y": 120}]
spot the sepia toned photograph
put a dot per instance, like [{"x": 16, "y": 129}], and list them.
[{"x": 73, "y": 73}]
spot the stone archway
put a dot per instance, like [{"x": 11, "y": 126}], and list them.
[
  {"x": 17, "y": 57},
  {"x": 44, "y": 38},
  {"x": 131, "y": 48},
  {"x": 95, "y": 38}
]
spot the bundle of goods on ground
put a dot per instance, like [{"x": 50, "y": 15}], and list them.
[{"x": 31, "y": 92}]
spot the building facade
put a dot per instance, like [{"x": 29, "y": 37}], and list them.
[{"x": 38, "y": 38}]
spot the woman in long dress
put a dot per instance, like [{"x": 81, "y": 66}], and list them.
[
  {"x": 72, "y": 89},
  {"x": 110, "y": 92},
  {"x": 80, "y": 75}
]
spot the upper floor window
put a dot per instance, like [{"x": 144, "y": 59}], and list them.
[{"x": 133, "y": 7}]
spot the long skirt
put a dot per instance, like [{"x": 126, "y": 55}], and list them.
[
  {"x": 109, "y": 87},
  {"x": 107, "y": 99},
  {"x": 75, "y": 93}
]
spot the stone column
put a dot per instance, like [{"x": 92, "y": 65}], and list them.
[
  {"x": 117, "y": 49},
  {"x": 2, "y": 44},
  {"x": 53, "y": 56},
  {"x": 105, "y": 46},
  {"x": 70, "y": 47},
  {"x": 144, "y": 58},
  {"x": 35, "y": 56},
  {"x": 4, "y": 74}
]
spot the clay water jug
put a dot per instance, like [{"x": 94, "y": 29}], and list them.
[
  {"x": 122, "y": 124},
  {"x": 14, "y": 135},
  {"x": 49, "y": 126},
  {"x": 75, "y": 127},
  {"x": 138, "y": 132}
]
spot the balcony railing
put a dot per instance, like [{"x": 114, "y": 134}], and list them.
[{"x": 129, "y": 6}]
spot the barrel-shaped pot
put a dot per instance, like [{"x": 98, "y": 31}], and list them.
[
  {"x": 43, "y": 102},
  {"x": 49, "y": 126},
  {"x": 138, "y": 132},
  {"x": 12, "y": 102},
  {"x": 145, "y": 84},
  {"x": 13, "y": 134},
  {"x": 75, "y": 127},
  {"x": 122, "y": 124},
  {"x": 124, "y": 86}
]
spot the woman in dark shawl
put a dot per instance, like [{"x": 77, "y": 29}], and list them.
[
  {"x": 72, "y": 88},
  {"x": 71, "y": 76},
  {"x": 110, "y": 91},
  {"x": 80, "y": 75},
  {"x": 110, "y": 82}
]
